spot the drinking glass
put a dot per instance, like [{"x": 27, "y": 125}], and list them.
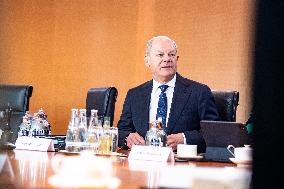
[
  {"x": 105, "y": 141},
  {"x": 114, "y": 137},
  {"x": 92, "y": 141},
  {"x": 106, "y": 121},
  {"x": 6, "y": 134}
]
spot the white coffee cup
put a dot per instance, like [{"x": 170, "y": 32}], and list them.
[
  {"x": 185, "y": 150},
  {"x": 242, "y": 153}
]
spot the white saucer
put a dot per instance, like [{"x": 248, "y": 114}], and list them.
[
  {"x": 198, "y": 157},
  {"x": 64, "y": 182},
  {"x": 240, "y": 161}
]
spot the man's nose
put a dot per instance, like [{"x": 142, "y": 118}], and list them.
[{"x": 166, "y": 58}]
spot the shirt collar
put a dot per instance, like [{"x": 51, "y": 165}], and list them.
[{"x": 171, "y": 83}]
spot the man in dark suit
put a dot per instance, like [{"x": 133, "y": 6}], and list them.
[{"x": 187, "y": 102}]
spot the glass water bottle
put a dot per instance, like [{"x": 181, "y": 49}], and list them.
[
  {"x": 156, "y": 136},
  {"x": 93, "y": 134},
  {"x": 72, "y": 132},
  {"x": 82, "y": 129}
]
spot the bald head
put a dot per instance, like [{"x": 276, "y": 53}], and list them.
[{"x": 151, "y": 41}]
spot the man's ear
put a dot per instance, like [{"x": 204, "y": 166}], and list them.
[
  {"x": 177, "y": 58},
  {"x": 146, "y": 61}
]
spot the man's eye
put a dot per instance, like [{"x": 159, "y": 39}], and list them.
[
  {"x": 160, "y": 55},
  {"x": 172, "y": 55}
]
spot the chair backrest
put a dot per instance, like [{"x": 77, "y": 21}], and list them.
[
  {"x": 102, "y": 99},
  {"x": 226, "y": 102},
  {"x": 17, "y": 97}
]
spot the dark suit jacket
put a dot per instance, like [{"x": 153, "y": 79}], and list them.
[{"x": 192, "y": 102}]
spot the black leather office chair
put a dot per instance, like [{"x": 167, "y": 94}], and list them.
[
  {"x": 102, "y": 99},
  {"x": 16, "y": 97},
  {"x": 226, "y": 102}
]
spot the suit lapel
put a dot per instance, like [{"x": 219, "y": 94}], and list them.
[
  {"x": 144, "y": 100},
  {"x": 181, "y": 94}
]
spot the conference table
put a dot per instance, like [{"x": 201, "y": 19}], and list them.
[{"x": 34, "y": 169}]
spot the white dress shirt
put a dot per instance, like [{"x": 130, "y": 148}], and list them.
[{"x": 155, "y": 98}]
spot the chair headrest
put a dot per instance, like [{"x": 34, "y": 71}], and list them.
[
  {"x": 16, "y": 97},
  {"x": 100, "y": 99},
  {"x": 226, "y": 102}
]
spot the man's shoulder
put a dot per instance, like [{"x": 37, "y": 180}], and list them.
[
  {"x": 191, "y": 83},
  {"x": 143, "y": 86}
]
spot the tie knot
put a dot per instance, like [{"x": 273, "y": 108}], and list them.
[{"x": 163, "y": 88}]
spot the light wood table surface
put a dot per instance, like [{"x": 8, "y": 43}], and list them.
[{"x": 31, "y": 169}]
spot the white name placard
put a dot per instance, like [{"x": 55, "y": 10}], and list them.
[
  {"x": 151, "y": 153},
  {"x": 31, "y": 143}
]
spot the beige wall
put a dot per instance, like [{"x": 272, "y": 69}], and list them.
[{"x": 65, "y": 47}]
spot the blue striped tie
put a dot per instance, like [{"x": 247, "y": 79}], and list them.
[{"x": 162, "y": 105}]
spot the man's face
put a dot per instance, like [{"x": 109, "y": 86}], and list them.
[{"x": 162, "y": 60}]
